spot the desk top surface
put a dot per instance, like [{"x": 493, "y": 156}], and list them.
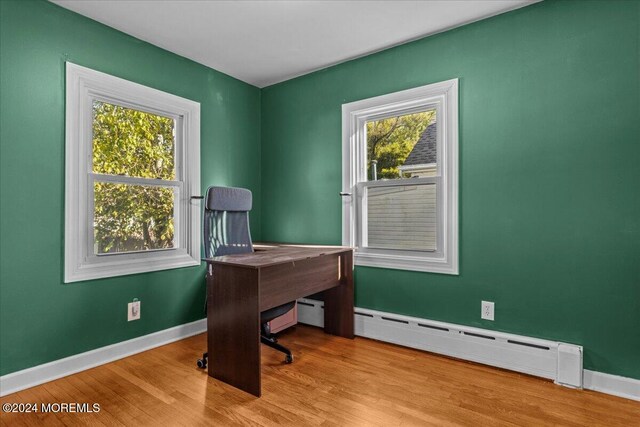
[{"x": 267, "y": 254}]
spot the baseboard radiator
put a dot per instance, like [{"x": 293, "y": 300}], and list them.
[{"x": 560, "y": 362}]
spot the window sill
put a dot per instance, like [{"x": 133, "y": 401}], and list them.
[
  {"x": 410, "y": 263},
  {"x": 129, "y": 265}
]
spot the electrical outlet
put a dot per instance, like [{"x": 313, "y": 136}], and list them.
[
  {"x": 133, "y": 312},
  {"x": 488, "y": 310}
]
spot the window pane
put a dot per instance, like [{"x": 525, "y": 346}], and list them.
[
  {"x": 133, "y": 143},
  {"x": 132, "y": 218},
  {"x": 402, "y": 146},
  {"x": 402, "y": 217}
]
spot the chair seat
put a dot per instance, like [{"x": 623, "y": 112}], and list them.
[{"x": 272, "y": 313}]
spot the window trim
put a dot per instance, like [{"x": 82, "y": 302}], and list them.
[
  {"x": 354, "y": 117},
  {"x": 82, "y": 86}
]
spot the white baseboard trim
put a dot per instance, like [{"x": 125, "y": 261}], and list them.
[
  {"x": 628, "y": 388},
  {"x": 514, "y": 352},
  {"x": 40, "y": 374}
]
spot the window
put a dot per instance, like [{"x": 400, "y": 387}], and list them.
[
  {"x": 400, "y": 179},
  {"x": 132, "y": 164}
]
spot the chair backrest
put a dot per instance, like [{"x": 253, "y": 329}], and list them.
[{"x": 226, "y": 221}]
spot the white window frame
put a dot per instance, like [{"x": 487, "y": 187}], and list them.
[
  {"x": 442, "y": 96},
  {"x": 83, "y": 86}
]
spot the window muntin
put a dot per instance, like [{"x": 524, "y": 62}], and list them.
[{"x": 407, "y": 218}]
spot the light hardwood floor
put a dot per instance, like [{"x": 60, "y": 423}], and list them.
[{"x": 333, "y": 382}]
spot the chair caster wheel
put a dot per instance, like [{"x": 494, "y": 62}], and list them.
[
  {"x": 288, "y": 359},
  {"x": 202, "y": 363}
]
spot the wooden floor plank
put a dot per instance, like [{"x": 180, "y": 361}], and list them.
[{"x": 333, "y": 382}]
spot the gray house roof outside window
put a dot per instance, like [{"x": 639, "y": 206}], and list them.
[{"x": 424, "y": 152}]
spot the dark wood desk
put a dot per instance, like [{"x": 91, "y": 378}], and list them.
[{"x": 240, "y": 287}]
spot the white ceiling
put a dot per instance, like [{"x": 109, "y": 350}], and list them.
[{"x": 266, "y": 42}]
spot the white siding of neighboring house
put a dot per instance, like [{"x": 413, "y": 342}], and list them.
[
  {"x": 418, "y": 171},
  {"x": 402, "y": 217}
]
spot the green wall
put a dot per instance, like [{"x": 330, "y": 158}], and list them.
[
  {"x": 42, "y": 318},
  {"x": 549, "y": 184},
  {"x": 549, "y": 173}
]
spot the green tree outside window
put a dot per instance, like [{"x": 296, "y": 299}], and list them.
[{"x": 389, "y": 141}]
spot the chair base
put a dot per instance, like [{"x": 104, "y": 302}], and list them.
[
  {"x": 273, "y": 343},
  {"x": 202, "y": 363},
  {"x": 265, "y": 338}
]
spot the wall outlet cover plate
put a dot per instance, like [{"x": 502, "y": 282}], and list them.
[
  {"x": 133, "y": 312},
  {"x": 488, "y": 310}
]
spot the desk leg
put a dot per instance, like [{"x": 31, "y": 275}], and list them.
[
  {"x": 338, "y": 301},
  {"x": 233, "y": 327}
]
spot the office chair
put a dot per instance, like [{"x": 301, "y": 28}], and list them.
[{"x": 226, "y": 232}]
